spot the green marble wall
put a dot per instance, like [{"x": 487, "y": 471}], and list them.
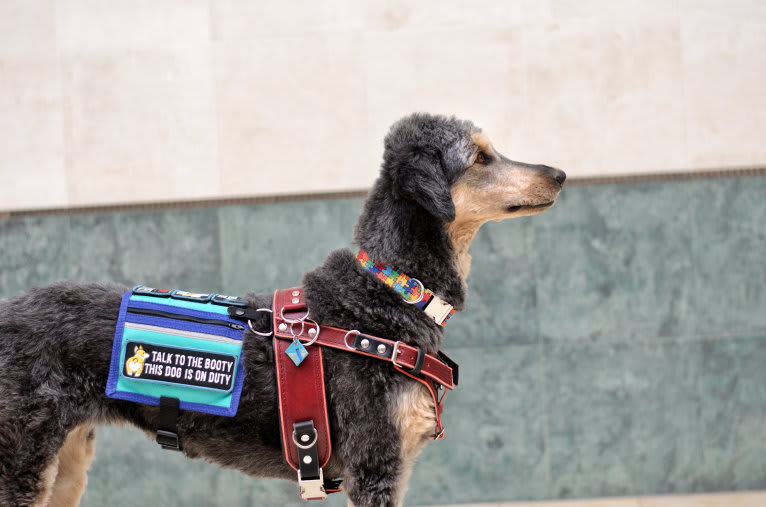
[{"x": 615, "y": 345}]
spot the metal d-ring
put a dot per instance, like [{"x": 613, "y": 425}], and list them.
[
  {"x": 292, "y": 332},
  {"x": 422, "y": 293},
  {"x": 291, "y": 321},
  {"x": 303, "y": 327},
  {"x": 250, "y": 323},
  {"x": 305, "y": 446},
  {"x": 345, "y": 338}
]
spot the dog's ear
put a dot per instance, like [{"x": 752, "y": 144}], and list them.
[{"x": 422, "y": 179}]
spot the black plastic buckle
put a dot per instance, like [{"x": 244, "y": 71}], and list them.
[
  {"x": 168, "y": 440},
  {"x": 167, "y": 431}
]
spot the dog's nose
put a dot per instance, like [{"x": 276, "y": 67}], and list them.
[{"x": 557, "y": 174}]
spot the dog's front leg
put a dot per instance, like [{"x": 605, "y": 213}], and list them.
[
  {"x": 380, "y": 456},
  {"x": 371, "y": 452},
  {"x": 368, "y": 488},
  {"x": 371, "y": 489}
]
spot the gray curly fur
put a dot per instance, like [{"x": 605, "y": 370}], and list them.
[{"x": 56, "y": 342}]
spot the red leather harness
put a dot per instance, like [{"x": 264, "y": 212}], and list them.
[{"x": 302, "y": 404}]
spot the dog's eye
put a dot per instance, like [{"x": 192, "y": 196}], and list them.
[{"x": 482, "y": 158}]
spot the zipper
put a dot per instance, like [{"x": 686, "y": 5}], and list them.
[
  {"x": 187, "y": 318},
  {"x": 185, "y": 334}
]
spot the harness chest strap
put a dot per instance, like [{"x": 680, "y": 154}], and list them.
[
  {"x": 412, "y": 361},
  {"x": 303, "y": 413},
  {"x": 303, "y": 408}
]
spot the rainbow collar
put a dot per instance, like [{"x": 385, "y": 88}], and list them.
[{"x": 411, "y": 289}]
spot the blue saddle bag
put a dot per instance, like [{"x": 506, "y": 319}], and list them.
[{"x": 180, "y": 345}]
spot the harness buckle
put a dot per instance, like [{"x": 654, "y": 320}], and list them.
[
  {"x": 168, "y": 440},
  {"x": 312, "y": 489},
  {"x": 394, "y": 353}
]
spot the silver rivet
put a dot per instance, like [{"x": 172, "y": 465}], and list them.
[
  {"x": 305, "y": 438},
  {"x": 296, "y": 292},
  {"x": 381, "y": 348},
  {"x": 307, "y": 459},
  {"x": 365, "y": 343},
  {"x": 312, "y": 332},
  {"x": 296, "y": 300},
  {"x": 283, "y": 327}
]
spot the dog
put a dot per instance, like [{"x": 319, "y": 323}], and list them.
[
  {"x": 441, "y": 179},
  {"x": 135, "y": 364}
]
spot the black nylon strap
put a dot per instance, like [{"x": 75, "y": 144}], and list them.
[
  {"x": 167, "y": 427},
  {"x": 305, "y": 440},
  {"x": 452, "y": 364},
  {"x": 259, "y": 318},
  {"x": 247, "y": 313}
]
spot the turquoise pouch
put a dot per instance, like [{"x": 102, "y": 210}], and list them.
[{"x": 180, "y": 345}]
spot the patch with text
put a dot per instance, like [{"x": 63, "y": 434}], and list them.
[{"x": 174, "y": 365}]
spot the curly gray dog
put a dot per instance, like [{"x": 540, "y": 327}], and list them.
[{"x": 441, "y": 179}]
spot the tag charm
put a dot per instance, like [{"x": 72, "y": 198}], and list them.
[{"x": 297, "y": 352}]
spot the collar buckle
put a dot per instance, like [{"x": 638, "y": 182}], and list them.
[{"x": 438, "y": 309}]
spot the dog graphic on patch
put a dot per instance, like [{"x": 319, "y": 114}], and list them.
[{"x": 134, "y": 366}]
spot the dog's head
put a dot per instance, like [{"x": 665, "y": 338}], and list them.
[{"x": 451, "y": 169}]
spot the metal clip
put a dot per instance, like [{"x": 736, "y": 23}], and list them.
[
  {"x": 438, "y": 309},
  {"x": 312, "y": 489}
]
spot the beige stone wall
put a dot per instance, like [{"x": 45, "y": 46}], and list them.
[{"x": 106, "y": 101}]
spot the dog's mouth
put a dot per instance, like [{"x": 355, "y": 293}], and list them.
[{"x": 513, "y": 209}]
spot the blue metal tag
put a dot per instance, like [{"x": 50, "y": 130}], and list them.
[{"x": 297, "y": 352}]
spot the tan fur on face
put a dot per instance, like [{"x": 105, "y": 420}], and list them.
[
  {"x": 74, "y": 458},
  {"x": 481, "y": 141},
  {"x": 484, "y": 193}
]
